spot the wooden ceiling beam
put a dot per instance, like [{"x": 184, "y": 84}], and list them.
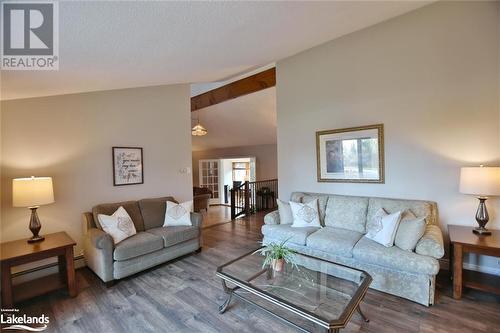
[{"x": 248, "y": 85}]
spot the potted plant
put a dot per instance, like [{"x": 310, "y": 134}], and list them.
[{"x": 276, "y": 255}]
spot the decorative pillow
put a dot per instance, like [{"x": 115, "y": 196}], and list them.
[
  {"x": 410, "y": 230},
  {"x": 285, "y": 211},
  {"x": 322, "y": 202},
  {"x": 178, "y": 214},
  {"x": 119, "y": 225},
  {"x": 305, "y": 215},
  {"x": 382, "y": 228}
]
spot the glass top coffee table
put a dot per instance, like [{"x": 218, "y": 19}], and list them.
[{"x": 313, "y": 294}]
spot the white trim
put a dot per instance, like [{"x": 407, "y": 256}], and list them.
[
  {"x": 41, "y": 271},
  {"x": 445, "y": 264}
]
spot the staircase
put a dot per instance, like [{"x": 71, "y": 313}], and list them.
[{"x": 250, "y": 197}]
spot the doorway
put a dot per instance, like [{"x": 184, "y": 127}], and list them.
[
  {"x": 235, "y": 171},
  {"x": 218, "y": 175}
]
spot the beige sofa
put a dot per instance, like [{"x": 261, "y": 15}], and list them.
[{"x": 152, "y": 245}]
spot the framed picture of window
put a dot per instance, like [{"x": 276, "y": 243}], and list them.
[
  {"x": 351, "y": 155},
  {"x": 127, "y": 166}
]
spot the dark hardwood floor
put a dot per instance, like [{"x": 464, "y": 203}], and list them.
[{"x": 184, "y": 295}]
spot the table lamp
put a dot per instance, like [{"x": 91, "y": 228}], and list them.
[
  {"x": 482, "y": 182},
  {"x": 32, "y": 193}
]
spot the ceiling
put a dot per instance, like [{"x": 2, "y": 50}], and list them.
[
  {"x": 243, "y": 121},
  {"x": 122, "y": 44}
]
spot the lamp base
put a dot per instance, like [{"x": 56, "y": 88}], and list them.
[
  {"x": 482, "y": 218},
  {"x": 35, "y": 226},
  {"x": 36, "y": 239},
  {"x": 481, "y": 231}
]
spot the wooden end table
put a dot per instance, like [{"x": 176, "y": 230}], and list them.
[
  {"x": 462, "y": 239},
  {"x": 21, "y": 252}
]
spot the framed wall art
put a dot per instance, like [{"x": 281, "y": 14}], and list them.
[
  {"x": 351, "y": 155},
  {"x": 127, "y": 166}
]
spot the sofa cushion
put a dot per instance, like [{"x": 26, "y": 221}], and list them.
[
  {"x": 296, "y": 196},
  {"x": 153, "y": 211},
  {"x": 371, "y": 252},
  {"x": 417, "y": 207},
  {"x": 346, "y": 212},
  {"x": 175, "y": 234},
  {"x": 132, "y": 208},
  {"x": 137, "y": 245},
  {"x": 334, "y": 240},
  {"x": 279, "y": 232}
]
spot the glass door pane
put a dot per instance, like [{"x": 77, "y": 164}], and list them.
[{"x": 209, "y": 177}]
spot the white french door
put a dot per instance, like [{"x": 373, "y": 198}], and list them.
[{"x": 209, "y": 178}]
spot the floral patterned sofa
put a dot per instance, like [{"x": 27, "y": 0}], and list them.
[{"x": 407, "y": 274}]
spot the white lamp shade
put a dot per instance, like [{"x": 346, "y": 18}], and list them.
[
  {"x": 34, "y": 191},
  {"x": 480, "y": 181}
]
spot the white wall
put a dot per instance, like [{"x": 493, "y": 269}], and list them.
[
  {"x": 431, "y": 76},
  {"x": 265, "y": 155},
  {"x": 69, "y": 138}
]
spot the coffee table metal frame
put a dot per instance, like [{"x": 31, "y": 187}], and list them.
[{"x": 330, "y": 326}]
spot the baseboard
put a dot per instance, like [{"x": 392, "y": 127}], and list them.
[
  {"x": 445, "y": 264},
  {"x": 44, "y": 270}
]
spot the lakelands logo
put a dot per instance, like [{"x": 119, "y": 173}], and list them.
[
  {"x": 30, "y": 35},
  {"x": 15, "y": 321}
]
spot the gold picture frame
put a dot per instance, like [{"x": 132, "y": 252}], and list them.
[{"x": 351, "y": 155}]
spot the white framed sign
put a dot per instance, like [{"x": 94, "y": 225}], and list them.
[{"x": 127, "y": 166}]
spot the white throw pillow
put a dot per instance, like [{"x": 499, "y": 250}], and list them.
[
  {"x": 285, "y": 212},
  {"x": 305, "y": 215},
  {"x": 382, "y": 228},
  {"x": 119, "y": 225},
  {"x": 178, "y": 214}
]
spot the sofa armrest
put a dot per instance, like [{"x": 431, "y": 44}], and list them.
[
  {"x": 99, "y": 239},
  {"x": 98, "y": 251},
  {"x": 272, "y": 218},
  {"x": 87, "y": 222},
  {"x": 431, "y": 244},
  {"x": 196, "y": 219}
]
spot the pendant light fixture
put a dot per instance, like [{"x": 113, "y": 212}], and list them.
[{"x": 198, "y": 129}]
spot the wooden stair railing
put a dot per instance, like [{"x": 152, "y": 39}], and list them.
[{"x": 249, "y": 197}]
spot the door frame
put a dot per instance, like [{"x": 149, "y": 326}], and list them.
[{"x": 253, "y": 162}]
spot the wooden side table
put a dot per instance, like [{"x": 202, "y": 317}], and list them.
[
  {"x": 462, "y": 239},
  {"x": 21, "y": 252}
]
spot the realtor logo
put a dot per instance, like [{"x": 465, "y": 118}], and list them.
[
  {"x": 30, "y": 35},
  {"x": 12, "y": 320}
]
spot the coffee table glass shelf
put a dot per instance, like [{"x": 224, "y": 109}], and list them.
[{"x": 312, "y": 295}]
